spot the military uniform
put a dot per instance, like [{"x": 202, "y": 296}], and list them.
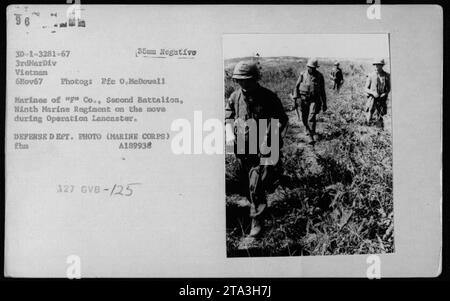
[
  {"x": 257, "y": 179},
  {"x": 310, "y": 95},
  {"x": 336, "y": 75},
  {"x": 378, "y": 83}
]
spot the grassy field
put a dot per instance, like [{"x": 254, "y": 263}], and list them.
[{"x": 340, "y": 199}]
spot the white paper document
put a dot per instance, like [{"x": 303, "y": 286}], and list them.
[{"x": 223, "y": 141}]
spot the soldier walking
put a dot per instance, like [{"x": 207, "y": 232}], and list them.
[
  {"x": 310, "y": 94},
  {"x": 337, "y": 77},
  {"x": 378, "y": 86},
  {"x": 253, "y": 102}
]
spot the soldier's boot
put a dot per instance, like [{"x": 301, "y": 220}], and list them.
[
  {"x": 308, "y": 133},
  {"x": 257, "y": 225},
  {"x": 380, "y": 122},
  {"x": 256, "y": 213},
  {"x": 311, "y": 132}
]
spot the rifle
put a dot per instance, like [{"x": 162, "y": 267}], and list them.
[{"x": 295, "y": 105}]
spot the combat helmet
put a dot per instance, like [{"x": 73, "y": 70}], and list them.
[
  {"x": 313, "y": 63},
  {"x": 246, "y": 70},
  {"x": 378, "y": 62}
]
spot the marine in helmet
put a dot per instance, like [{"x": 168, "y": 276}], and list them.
[
  {"x": 337, "y": 77},
  {"x": 378, "y": 86},
  {"x": 252, "y": 102},
  {"x": 309, "y": 94}
]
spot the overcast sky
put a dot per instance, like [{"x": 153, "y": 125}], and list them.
[{"x": 307, "y": 45}]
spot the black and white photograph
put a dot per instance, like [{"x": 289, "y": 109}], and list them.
[
  {"x": 331, "y": 191},
  {"x": 223, "y": 141}
]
